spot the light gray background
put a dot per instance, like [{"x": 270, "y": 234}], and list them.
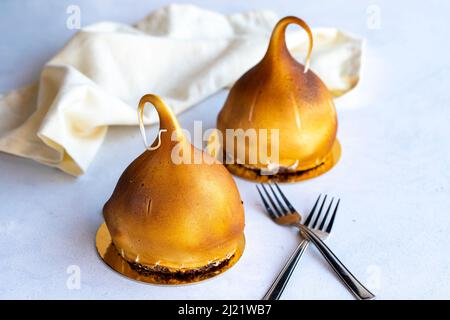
[{"x": 394, "y": 176}]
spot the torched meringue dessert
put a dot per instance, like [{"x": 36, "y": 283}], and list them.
[
  {"x": 175, "y": 222},
  {"x": 281, "y": 93}
]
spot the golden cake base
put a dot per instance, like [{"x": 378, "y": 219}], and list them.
[
  {"x": 108, "y": 253},
  {"x": 288, "y": 177}
]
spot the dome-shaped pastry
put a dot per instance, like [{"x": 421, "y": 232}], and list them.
[
  {"x": 173, "y": 217},
  {"x": 280, "y": 93}
]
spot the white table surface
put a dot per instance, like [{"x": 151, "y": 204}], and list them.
[{"x": 392, "y": 229}]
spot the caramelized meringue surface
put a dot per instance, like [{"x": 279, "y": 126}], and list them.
[
  {"x": 176, "y": 216},
  {"x": 280, "y": 93}
]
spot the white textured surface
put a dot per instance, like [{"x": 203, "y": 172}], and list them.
[{"x": 393, "y": 227}]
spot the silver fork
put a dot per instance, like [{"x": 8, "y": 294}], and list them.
[
  {"x": 287, "y": 215},
  {"x": 276, "y": 289}
]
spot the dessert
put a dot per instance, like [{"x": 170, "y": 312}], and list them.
[
  {"x": 171, "y": 216},
  {"x": 281, "y": 93}
]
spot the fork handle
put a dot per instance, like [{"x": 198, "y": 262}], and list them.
[
  {"x": 277, "y": 287},
  {"x": 346, "y": 276}
]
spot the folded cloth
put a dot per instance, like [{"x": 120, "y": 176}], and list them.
[{"x": 181, "y": 52}]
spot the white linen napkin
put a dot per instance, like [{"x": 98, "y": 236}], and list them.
[{"x": 181, "y": 52}]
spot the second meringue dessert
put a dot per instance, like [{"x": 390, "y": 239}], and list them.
[
  {"x": 176, "y": 220},
  {"x": 281, "y": 93}
]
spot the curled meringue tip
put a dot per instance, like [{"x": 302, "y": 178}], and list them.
[{"x": 161, "y": 131}]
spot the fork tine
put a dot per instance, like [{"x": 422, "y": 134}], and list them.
[
  {"x": 326, "y": 215},
  {"x": 266, "y": 205},
  {"x": 314, "y": 224},
  {"x": 330, "y": 225},
  {"x": 311, "y": 213},
  {"x": 289, "y": 205},
  {"x": 283, "y": 209},
  {"x": 274, "y": 206}
]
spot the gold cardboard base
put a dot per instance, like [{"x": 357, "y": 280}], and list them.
[
  {"x": 288, "y": 177},
  {"x": 108, "y": 253}
]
